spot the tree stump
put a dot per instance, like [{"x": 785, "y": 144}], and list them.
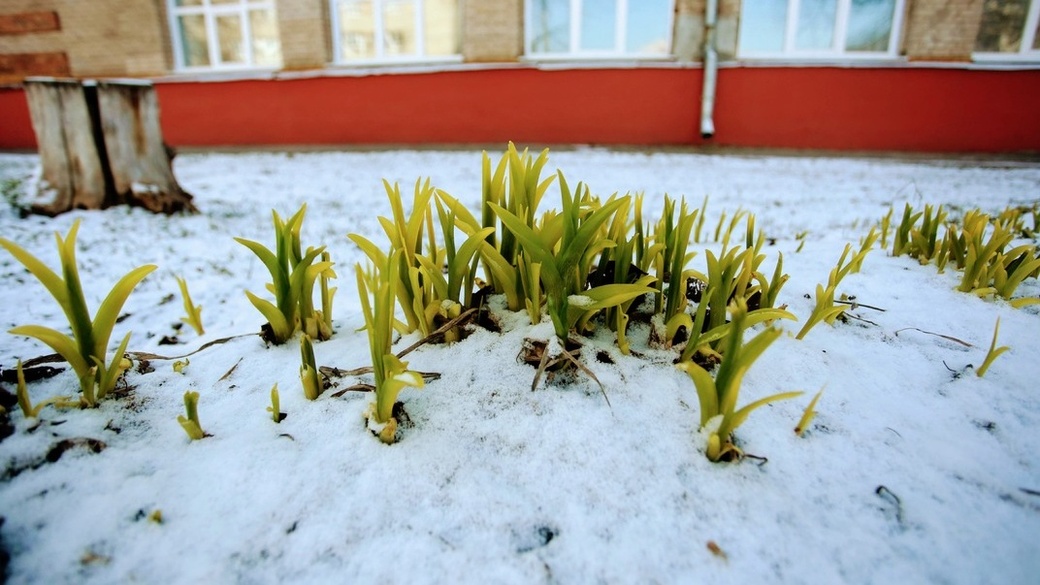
[
  {"x": 101, "y": 145},
  {"x": 72, "y": 176}
]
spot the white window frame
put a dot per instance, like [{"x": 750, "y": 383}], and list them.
[
  {"x": 575, "y": 51},
  {"x": 419, "y": 57},
  {"x": 1025, "y": 52},
  {"x": 211, "y": 12},
  {"x": 837, "y": 51}
]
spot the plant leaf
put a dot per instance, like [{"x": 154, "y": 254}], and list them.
[{"x": 108, "y": 312}]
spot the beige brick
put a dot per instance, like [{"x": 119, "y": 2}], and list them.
[
  {"x": 305, "y": 32},
  {"x": 942, "y": 30},
  {"x": 492, "y": 31},
  {"x": 688, "y": 42}
]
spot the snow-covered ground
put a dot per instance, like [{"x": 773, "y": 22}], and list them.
[{"x": 915, "y": 470}]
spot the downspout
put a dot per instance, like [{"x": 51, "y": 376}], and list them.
[{"x": 711, "y": 68}]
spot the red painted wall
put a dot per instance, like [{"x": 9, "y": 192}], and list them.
[
  {"x": 902, "y": 108},
  {"x": 908, "y": 109},
  {"x": 15, "y": 126}
]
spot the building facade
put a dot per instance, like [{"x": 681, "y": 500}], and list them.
[{"x": 913, "y": 75}]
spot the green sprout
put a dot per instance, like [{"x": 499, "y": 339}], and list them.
[
  {"x": 391, "y": 374},
  {"x": 886, "y": 226},
  {"x": 25, "y": 403},
  {"x": 924, "y": 242},
  {"x": 808, "y": 415},
  {"x": 310, "y": 377},
  {"x": 194, "y": 312},
  {"x": 293, "y": 274},
  {"x": 564, "y": 246},
  {"x": 275, "y": 408},
  {"x": 326, "y": 295},
  {"x": 85, "y": 350},
  {"x": 993, "y": 353},
  {"x": 823, "y": 311},
  {"x": 1011, "y": 269},
  {"x": 433, "y": 286},
  {"x": 718, "y": 396},
  {"x": 903, "y": 238},
  {"x": 191, "y": 423}
]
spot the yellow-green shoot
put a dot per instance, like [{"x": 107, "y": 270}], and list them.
[
  {"x": 194, "y": 312},
  {"x": 275, "y": 408},
  {"x": 824, "y": 311},
  {"x": 310, "y": 377},
  {"x": 718, "y": 396},
  {"x": 190, "y": 423},
  {"x": 86, "y": 349},
  {"x": 563, "y": 246},
  {"x": 25, "y": 403},
  {"x": 293, "y": 274},
  {"x": 993, "y": 353},
  {"x": 808, "y": 415},
  {"x": 391, "y": 374}
]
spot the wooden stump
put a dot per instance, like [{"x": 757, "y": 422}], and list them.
[
  {"x": 72, "y": 176},
  {"x": 101, "y": 145}
]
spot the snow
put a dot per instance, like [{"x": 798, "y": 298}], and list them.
[{"x": 915, "y": 469}]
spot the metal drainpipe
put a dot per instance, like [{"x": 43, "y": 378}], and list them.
[{"x": 711, "y": 68}]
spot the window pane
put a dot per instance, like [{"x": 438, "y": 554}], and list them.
[
  {"x": 1002, "y": 24},
  {"x": 648, "y": 24},
  {"x": 816, "y": 24},
  {"x": 189, "y": 2},
  {"x": 357, "y": 35},
  {"x": 870, "y": 25},
  {"x": 441, "y": 27},
  {"x": 1036, "y": 37},
  {"x": 762, "y": 25},
  {"x": 398, "y": 27},
  {"x": 193, "y": 40},
  {"x": 598, "y": 24},
  {"x": 267, "y": 50},
  {"x": 550, "y": 26},
  {"x": 229, "y": 34}
]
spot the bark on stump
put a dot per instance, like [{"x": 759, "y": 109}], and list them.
[{"x": 101, "y": 145}]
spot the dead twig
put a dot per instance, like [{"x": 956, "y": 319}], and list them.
[
  {"x": 439, "y": 332},
  {"x": 854, "y": 305},
  {"x": 946, "y": 337}
]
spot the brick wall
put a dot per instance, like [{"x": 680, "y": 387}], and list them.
[
  {"x": 306, "y": 32},
  {"x": 492, "y": 31},
  {"x": 94, "y": 38},
  {"x": 97, "y": 37},
  {"x": 942, "y": 30}
]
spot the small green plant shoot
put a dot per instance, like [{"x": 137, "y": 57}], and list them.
[
  {"x": 718, "y": 396},
  {"x": 310, "y": 377},
  {"x": 391, "y": 374},
  {"x": 808, "y": 415},
  {"x": 993, "y": 353},
  {"x": 194, "y": 312},
  {"x": 191, "y": 424},
  {"x": 293, "y": 274},
  {"x": 85, "y": 350},
  {"x": 275, "y": 409}
]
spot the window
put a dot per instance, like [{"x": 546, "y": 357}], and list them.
[
  {"x": 820, "y": 28},
  {"x": 599, "y": 28},
  {"x": 225, "y": 34},
  {"x": 1009, "y": 30},
  {"x": 395, "y": 30}
]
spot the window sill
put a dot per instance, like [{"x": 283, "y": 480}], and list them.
[
  {"x": 1009, "y": 59},
  {"x": 220, "y": 73},
  {"x": 398, "y": 62}
]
